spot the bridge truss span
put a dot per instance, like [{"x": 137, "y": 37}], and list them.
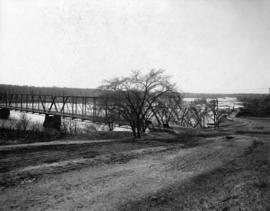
[{"x": 75, "y": 107}]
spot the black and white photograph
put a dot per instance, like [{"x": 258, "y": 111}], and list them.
[{"x": 135, "y": 105}]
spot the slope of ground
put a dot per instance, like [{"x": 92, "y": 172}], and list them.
[{"x": 225, "y": 171}]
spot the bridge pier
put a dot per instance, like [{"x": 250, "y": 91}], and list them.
[
  {"x": 52, "y": 121},
  {"x": 4, "y": 113}
]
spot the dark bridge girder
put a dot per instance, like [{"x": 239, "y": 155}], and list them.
[
  {"x": 4, "y": 113},
  {"x": 52, "y": 121},
  {"x": 75, "y": 107}
]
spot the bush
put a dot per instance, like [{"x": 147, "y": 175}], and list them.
[
  {"x": 23, "y": 123},
  {"x": 259, "y": 106}
]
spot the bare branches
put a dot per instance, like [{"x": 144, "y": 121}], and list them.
[{"x": 134, "y": 96}]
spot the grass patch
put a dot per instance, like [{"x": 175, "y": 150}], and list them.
[{"x": 12, "y": 136}]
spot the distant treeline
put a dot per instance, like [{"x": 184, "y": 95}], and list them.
[
  {"x": 255, "y": 106},
  {"x": 96, "y": 92},
  {"x": 220, "y": 95},
  {"x": 49, "y": 90}
]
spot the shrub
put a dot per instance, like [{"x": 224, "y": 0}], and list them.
[
  {"x": 259, "y": 106},
  {"x": 23, "y": 123}
]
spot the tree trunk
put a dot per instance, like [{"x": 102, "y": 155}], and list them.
[
  {"x": 138, "y": 133},
  {"x": 133, "y": 131},
  {"x": 138, "y": 130}
]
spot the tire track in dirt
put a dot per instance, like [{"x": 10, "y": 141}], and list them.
[{"x": 108, "y": 186}]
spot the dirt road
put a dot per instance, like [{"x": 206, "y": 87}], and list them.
[{"x": 224, "y": 172}]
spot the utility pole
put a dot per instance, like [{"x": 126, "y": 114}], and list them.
[{"x": 215, "y": 113}]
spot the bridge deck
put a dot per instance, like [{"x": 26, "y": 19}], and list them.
[{"x": 75, "y": 107}]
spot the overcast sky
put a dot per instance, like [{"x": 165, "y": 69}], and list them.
[{"x": 206, "y": 45}]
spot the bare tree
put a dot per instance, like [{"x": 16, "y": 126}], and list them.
[
  {"x": 23, "y": 123},
  {"x": 70, "y": 126},
  {"x": 199, "y": 110},
  {"x": 217, "y": 114},
  {"x": 167, "y": 108},
  {"x": 133, "y": 97},
  {"x": 36, "y": 126}
]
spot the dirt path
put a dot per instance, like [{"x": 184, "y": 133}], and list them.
[
  {"x": 110, "y": 186},
  {"x": 58, "y": 142},
  {"x": 222, "y": 172}
]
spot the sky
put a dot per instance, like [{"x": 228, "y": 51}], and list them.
[{"x": 205, "y": 45}]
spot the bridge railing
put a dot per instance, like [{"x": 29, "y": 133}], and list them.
[{"x": 88, "y": 108}]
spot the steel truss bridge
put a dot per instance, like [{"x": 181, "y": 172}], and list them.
[{"x": 75, "y": 107}]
